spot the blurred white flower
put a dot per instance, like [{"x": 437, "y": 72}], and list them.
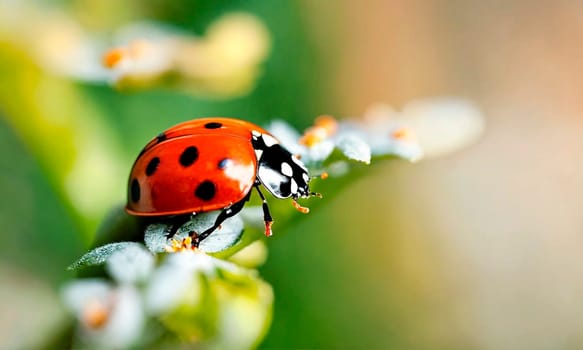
[
  {"x": 53, "y": 38},
  {"x": 130, "y": 265},
  {"x": 140, "y": 61},
  {"x": 209, "y": 300},
  {"x": 61, "y": 46},
  {"x": 170, "y": 285},
  {"x": 197, "y": 261},
  {"x": 429, "y": 127},
  {"x": 444, "y": 125},
  {"x": 432, "y": 126},
  {"x": 194, "y": 294},
  {"x": 355, "y": 140},
  {"x": 387, "y": 134},
  {"x": 177, "y": 280},
  {"x": 109, "y": 317},
  {"x": 223, "y": 62},
  {"x": 314, "y": 146}
]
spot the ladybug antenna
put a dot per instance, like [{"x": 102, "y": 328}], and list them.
[{"x": 323, "y": 176}]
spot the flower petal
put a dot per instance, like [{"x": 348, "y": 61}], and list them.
[
  {"x": 130, "y": 265},
  {"x": 353, "y": 147}
]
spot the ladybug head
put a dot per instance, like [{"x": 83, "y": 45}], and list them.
[{"x": 282, "y": 173}]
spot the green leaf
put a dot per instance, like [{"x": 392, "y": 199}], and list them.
[{"x": 99, "y": 255}]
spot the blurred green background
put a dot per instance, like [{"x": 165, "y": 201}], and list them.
[{"x": 477, "y": 249}]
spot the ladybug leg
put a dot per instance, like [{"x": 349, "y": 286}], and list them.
[
  {"x": 176, "y": 223},
  {"x": 223, "y": 215},
  {"x": 266, "y": 214}
]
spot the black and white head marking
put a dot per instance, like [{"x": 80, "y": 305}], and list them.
[{"x": 282, "y": 173}]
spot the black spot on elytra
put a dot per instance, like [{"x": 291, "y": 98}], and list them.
[
  {"x": 223, "y": 163},
  {"x": 213, "y": 125},
  {"x": 189, "y": 156},
  {"x": 161, "y": 137},
  {"x": 206, "y": 190},
  {"x": 152, "y": 166},
  {"x": 135, "y": 191}
]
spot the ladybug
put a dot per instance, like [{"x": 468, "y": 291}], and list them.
[{"x": 213, "y": 164}]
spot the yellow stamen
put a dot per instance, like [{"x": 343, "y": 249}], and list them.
[
  {"x": 324, "y": 127},
  {"x": 403, "y": 134},
  {"x": 95, "y": 314},
  {"x": 112, "y": 57},
  {"x": 328, "y": 123},
  {"x": 180, "y": 246}
]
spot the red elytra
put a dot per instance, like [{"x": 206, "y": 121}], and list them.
[
  {"x": 212, "y": 164},
  {"x": 161, "y": 185}
]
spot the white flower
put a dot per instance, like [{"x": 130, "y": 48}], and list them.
[
  {"x": 177, "y": 281},
  {"x": 444, "y": 125},
  {"x": 140, "y": 60},
  {"x": 109, "y": 317},
  {"x": 424, "y": 127},
  {"x": 130, "y": 265},
  {"x": 224, "y": 62},
  {"x": 169, "y": 285},
  {"x": 318, "y": 143}
]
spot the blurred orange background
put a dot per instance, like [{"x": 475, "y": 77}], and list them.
[{"x": 478, "y": 249}]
